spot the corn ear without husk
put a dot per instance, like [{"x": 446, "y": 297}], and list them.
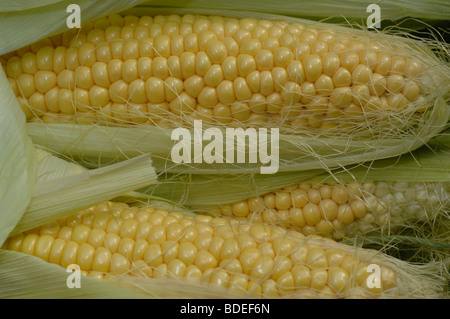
[{"x": 300, "y": 148}]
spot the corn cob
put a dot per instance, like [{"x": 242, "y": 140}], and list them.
[
  {"x": 344, "y": 210},
  {"x": 167, "y": 70},
  {"x": 257, "y": 260}
]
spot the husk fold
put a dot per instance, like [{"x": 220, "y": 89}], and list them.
[
  {"x": 392, "y": 10},
  {"x": 18, "y": 163},
  {"x": 26, "y": 22},
  {"x": 28, "y": 277},
  {"x": 66, "y": 194},
  {"x": 97, "y": 144}
]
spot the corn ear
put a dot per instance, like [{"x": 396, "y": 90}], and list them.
[
  {"x": 353, "y": 9},
  {"x": 252, "y": 259},
  {"x": 18, "y": 164},
  {"x": 303, "y": 145}
]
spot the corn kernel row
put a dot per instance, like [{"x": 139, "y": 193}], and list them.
[{"x": 222, "y": 70}]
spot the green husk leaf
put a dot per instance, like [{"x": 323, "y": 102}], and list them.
[
  {"x": 299, "y": 150},
  {"x": 17, "y": 161},
  {"x": 20, "y": 5},
  {"x": 21, "y": 28},
  {"x": 24, "y": 276},
  {"x": 84, "y": 189},
  {"x": 28, "y": 277},
  {"x": 430, "y": 163},
  {"x": 390, "y": 9},
  {"x": 51, "y": 167},
  {"x": 98, "y": 144}
]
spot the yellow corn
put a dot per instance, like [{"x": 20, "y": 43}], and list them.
[
  {"x": 166, "y": 69},
  {"x": 255, "y": 259},
  {"x": 343, "y": 210}
]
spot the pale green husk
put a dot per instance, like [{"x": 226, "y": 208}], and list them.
[
  {"x": 51, "y": 168},
  {"x": 23, "y": 277},
  {"x": 97, "y": 144},
  {"x": 390, "y": 9},
  {"x": 66, "y": 194},
  {"x": 59, "y": 188},
  {"x": 18, "y": 161},
  {"x": 430, "y": 163}
]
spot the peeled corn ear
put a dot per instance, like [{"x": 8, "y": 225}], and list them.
[
  {"x": 241, "y": 72},
  {"x": 324, "y": 86},
  {"x": 255, "y": 260},
  {"x": 320, "y": 9}
]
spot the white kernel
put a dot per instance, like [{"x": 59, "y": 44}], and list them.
[
  {"x": 421, "y": 195},
  {"x": 399, "y": 198},
  {"x": 382, "y": 189}
]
